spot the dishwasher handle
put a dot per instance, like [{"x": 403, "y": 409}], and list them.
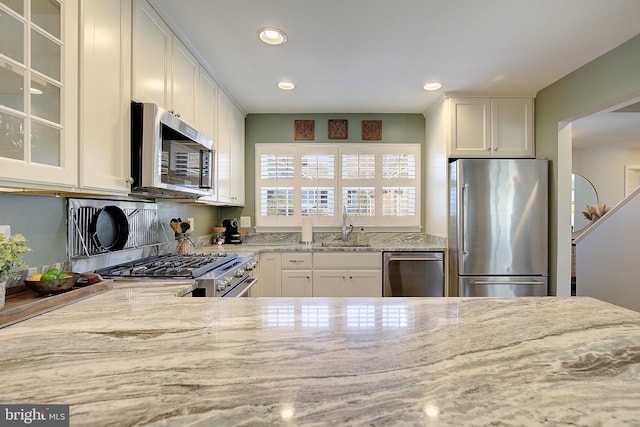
[{"x": 416, "y": 258}]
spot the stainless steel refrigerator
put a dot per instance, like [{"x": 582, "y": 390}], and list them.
[{"x": 498, "y": 227}]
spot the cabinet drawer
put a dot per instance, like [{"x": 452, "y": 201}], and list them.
[
  {"x": 296, "y": 260},
  {"x": 347, "y": 260}
]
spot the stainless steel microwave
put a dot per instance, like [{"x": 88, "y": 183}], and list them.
[{"x": 168, "y": 156}]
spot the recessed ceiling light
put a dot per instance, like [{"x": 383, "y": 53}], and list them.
[
  {"x": 286, "y": 85},
  {"x": 432, "y": 86},
  {"x": 271, "y": 35}
]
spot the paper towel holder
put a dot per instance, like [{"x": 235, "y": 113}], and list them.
[{"x": 307, "y": 230}]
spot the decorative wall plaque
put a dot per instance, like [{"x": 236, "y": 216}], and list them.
[
  {"x": 338, "y": 129},
  {"x": 371, "y": 130},
  {"x": 304, "y": 129}
]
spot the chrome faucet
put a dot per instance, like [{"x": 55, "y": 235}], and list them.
[{"x": 346, "y": 230}]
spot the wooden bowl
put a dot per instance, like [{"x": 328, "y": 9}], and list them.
[{"x": 52, "y": 286}]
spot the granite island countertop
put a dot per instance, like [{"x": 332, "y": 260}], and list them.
[{"x": 138, "y": 355}]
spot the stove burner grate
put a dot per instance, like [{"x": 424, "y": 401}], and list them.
[{"x": 169, "y": 266}]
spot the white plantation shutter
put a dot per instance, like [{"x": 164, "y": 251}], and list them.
[
  {"x": 378, "y": 183},
  {"x": 317, "y": 166},
  {"x": 358, "y": 166},
  {"x": 276, "y": 201},
  {"x": 276, "y": 166},
  {"x": 360, "y": 201},
  {"x": 318, "y": 201},
  {"x": 398, "y": 201},
  {"x": 399, "y": 166}
]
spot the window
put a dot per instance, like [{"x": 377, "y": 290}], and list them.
[{"x": 379, "y": 184}]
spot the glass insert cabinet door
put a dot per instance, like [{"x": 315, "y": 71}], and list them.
[{"x": 38, "y": 86}]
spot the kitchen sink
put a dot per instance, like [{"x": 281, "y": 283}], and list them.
[{"x": 339, "y": 244}]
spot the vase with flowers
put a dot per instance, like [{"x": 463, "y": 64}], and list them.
[{"x": 12, "y": 250}]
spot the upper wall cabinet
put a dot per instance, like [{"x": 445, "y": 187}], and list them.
[
  {"x": 491, "y": 127},
  {"x": 164, "y": 71},
  {"x": 38, "y": 126},
  {"x": 151, "y": 56},
  {"x": 230, "y": 152},
  {"x": 105, "y": 94},
  {"x": 207, "y": 107},
  {"x": 184, "y": 81}
]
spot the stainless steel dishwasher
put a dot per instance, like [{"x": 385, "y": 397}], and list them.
[{"x": 413, "y": 274}]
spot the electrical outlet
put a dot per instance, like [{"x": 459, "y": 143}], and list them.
[
  {"x": 192, "y": 224},
  {"x": 245, "y": 221},
  {"x": 6, "y": 230}
]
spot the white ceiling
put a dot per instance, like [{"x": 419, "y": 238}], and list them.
[{"x": 374, "y": 56}]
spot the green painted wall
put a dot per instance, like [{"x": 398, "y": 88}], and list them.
[
  {"x": 278, "y": 128},
  {"x": 42, "y": 220},
  {"x": 600, "y": 83}
]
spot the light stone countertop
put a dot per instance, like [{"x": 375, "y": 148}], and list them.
[{"x": 138, "y": 355}]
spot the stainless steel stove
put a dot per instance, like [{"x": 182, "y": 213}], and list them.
[
  {"x": 136, "y": 227},
  {"x": 217, "y": 275},
  {"x": 168, "y": 266}
]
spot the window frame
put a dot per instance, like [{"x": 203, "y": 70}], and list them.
[{"x": 334, "y": 222}]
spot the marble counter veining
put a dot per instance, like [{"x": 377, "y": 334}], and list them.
[{"x": 138, "y": 355}]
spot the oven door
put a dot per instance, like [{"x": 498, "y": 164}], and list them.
[{"x": 241, "y": 289}]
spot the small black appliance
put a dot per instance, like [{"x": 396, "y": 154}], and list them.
[{"x": 231, "y": 234}]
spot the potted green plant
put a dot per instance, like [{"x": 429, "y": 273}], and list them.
[{"x": 12, "y": 250}]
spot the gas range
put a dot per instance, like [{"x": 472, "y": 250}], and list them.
[
  {"x": 124, "y": 235},
  {"x": 217, "y": 275}
]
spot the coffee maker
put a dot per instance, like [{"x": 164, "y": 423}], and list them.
[{"x": 231, "y": 234}]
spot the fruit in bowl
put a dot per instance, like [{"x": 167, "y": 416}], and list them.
[{"x": 52, "y": 281}]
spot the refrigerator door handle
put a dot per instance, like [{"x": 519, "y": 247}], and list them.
[
  {"x": 513, "y": 282},
  {"x": 465, "y": 224}
]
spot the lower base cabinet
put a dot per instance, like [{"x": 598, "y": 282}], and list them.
[
  {"x": 320, "y": 274},
  {"x": 297, "y": 274},
  {"x": 350, "y": 283},
  {"x": 297, "y": 283},
  {"x": 342, "y": 274},
  {"x": 270, "y": 275}
]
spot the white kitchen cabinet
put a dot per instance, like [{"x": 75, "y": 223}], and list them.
[
  {"x": 230, "y": 152},
  {"x": 39, "y": 142},
  {"x": 297, "y": 283},
  {"x": 105, "y": 95},
  {"x": 164, "y": 71},
  {"x": 207, "y": 108},
  {"x": 297, "y": 274},
  {"x": 491, "y": 127},
  {"x": 206, "y": 121},
  {"x": 270, "y": 275},
  {"x": 184, "y": 82},
  {"x": 357, "y": 274},
  {"x": 151, "y": 56}
]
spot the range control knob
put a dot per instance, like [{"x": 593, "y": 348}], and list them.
[
  {"x": 239, "y": 273},
  {"x": 221, "y": 285}
]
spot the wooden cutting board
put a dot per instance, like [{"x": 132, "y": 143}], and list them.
[{"x": 26, "y": 304}]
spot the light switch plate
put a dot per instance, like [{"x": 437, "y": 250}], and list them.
[
  {"x": 245, "y": 221},
  {"x": 6, "y": 230}
]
